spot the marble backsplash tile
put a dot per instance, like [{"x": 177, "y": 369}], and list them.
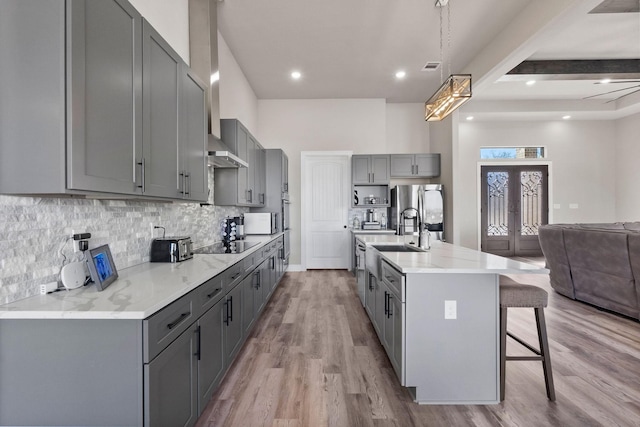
[{"x": 34, "y": 234}]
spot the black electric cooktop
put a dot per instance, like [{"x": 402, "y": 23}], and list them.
[{"x": 235, "y": 247}]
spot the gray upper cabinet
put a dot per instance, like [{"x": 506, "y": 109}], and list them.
[
  {"x": 370, "y": 169},
  {"x": 92, "y": 98},
  {"x": 426, "y": 165},
  {"x": 194, "y": 174},
  {"x": 162, "y": 91},
  {"x": 104, "y": 85},
  {"x": 242, "y": 186}
]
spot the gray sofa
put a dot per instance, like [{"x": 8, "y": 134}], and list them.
[{"x": 595, "y": 263}]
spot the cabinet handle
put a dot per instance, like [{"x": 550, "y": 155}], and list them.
[
  {"x": 390, "y": 279},
  {"x": 181, "y": 181},
  {"x": 417, "y": 170},
  {"x": 257, "y": 276},
  {"x": 230, "y": 307},
  {"x": 386, "y": 303},
  {"x": 198, "y": 342},
  {"x": 273, "y": 262},
  {"x": 215, "y": 291},
  {"x": 142, "y": 178},
  {"x": 187, "y": 184},
  {"x": 390, "y": 311},
  {"x": 250, "y": 196},
  {"x": 235, "y": 276},
  {"x": 178, "y": 320},
  {"x": 226, "y": 312}
]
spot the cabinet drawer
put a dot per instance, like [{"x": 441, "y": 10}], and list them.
[
  {"x": 393, "y": 278},
  {"x": 166, "y": 325},
  {"x": 212, "y": 291},
  {"x": 250, "y": 262}
]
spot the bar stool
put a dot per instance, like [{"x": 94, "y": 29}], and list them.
[{"x": 514, "y": 294}]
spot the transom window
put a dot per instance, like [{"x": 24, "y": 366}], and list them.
[{"x": 512, "y": 153}]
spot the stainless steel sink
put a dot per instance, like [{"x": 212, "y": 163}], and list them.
[{"x": 397, "y": 248}]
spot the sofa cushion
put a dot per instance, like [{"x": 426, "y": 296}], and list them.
[
  {"x": 552, "y": 244},
  {"x": 634, "y": 259},
  {"x": 632, "y": 226},
  {"x": 601, "y": 269}
]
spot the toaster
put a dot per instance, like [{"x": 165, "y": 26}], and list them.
[{"x": 171, "y": 249}]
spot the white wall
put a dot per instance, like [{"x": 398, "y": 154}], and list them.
[
  {"x": 316, "y": 125},
  {"x": 406, "y": 130},
  {"x": 237, "y": 98},
  {"x": 582, "y": 156},
  {"x": 171, "y": 19},
  {"x": 627, "y": 170}
]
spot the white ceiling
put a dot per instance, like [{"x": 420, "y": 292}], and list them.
[{"x": 352, "y": 49}]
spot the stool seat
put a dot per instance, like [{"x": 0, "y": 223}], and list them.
[{"x": 514, "y": 294}]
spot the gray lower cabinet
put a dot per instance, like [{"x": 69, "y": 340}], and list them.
[
  {"x": 210, "y": 356},
  {"x": 233, "y": 330},
  {"x": 171, "y": 384},
  {"x": 93, "y": 364},
  {"x": 425, "y": 165},
  {"x": 250, "y": 288},
  {"x": 160, "y": 371},
  {"x": 392, "y": 328},
  {"x": 370, "y": 298}
]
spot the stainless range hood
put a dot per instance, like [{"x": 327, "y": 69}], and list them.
[
  {"x": 221, "y": 157},
  {"x": 203, "y": 44}
]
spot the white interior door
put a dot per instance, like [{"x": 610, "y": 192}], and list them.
[{"x": 325, "y": 194}]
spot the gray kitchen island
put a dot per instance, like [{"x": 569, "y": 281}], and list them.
[{"x": 437, "y": 315}]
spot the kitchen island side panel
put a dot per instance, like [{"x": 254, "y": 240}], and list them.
[
  {"x": 71, "y": 372},
  {"x": 452, "y": 361}
]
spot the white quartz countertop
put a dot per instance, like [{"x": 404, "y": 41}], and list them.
[
  {"x": 139, "y": 291},
  {"x": 448, "y": 258}
]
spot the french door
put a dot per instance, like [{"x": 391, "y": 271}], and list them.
[{"x": 515, "y": 203}]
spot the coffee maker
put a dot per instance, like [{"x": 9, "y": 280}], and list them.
[{"x": 233, "y": 228}]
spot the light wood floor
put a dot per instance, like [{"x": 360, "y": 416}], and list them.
[{"x": 315, "y": 360}]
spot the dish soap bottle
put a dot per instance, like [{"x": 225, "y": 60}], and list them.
[
  {"x": 383, "y": 222},
  {"x": 356, "y": 223}
]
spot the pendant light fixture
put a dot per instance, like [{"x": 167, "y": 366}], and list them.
[{"x": 456, "y": 90}]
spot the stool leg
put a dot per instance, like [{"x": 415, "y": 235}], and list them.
[
  {"x": 503, "y": 349},
  {"x": 546, "y": 356}
]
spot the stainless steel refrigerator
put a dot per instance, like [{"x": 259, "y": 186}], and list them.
[{"x": 409, "y": 200}]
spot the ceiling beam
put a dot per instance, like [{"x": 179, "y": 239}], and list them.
[
  {"x": 617, "y": 6},
  {"x": 576, "y": 69}
]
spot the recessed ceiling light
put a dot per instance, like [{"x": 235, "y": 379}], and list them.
[
  {"x": 469, "y": 118},
  {"x": 567, "y": 117},
  {"x": 296, "y": 75},
  {"x": 530, "y": 83},
  {"x": 605, "y": 81},
  {"x": 401, "y": 74}
]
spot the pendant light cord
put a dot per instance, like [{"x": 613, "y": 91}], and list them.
[
  {"x": 449, "y": 39},
  {"x": 441, "y": 55}
]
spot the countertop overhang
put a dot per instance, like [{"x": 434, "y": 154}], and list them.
[{"x": 447, "y": 258}]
